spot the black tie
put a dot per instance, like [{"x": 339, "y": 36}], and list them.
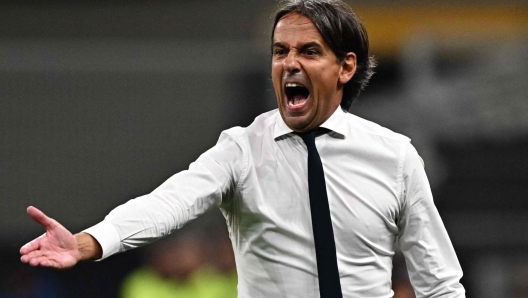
[{"x": 325, "y": 250}]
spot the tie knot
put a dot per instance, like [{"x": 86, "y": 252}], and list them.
[{"x": 309, "y": 136}]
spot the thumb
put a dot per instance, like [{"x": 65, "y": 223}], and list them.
[{"x": 39, "y": 216}]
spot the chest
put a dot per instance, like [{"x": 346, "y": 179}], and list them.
[{"x": 361, "y": 184}]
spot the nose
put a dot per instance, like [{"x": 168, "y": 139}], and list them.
[{"x": 291, "y": 64}]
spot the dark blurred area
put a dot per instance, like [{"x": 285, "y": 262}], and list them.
[{"x": 100, "y": 102}]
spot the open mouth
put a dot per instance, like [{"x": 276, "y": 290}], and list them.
[{"x": 296, "y": 94}]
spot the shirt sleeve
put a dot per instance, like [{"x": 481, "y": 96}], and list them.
[
  {"x": 434, "y": 270},
  {"x": 209, "y": 180}
]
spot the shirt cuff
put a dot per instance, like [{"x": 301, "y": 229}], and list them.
[{"x": 108, "y": 238}]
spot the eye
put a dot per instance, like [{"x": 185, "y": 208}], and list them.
[
  {"x": 279, "y": 52},
  {"x": 311, "y": 52}
]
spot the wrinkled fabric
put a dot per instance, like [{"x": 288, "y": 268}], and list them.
[{"x": 378, "y": 195}]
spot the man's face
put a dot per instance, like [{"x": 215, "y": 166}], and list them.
[{"x": 307, "y": 76}]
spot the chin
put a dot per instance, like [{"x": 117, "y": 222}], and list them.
[{"x": 297, "y": 125}]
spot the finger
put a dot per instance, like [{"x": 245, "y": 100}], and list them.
[
  {"x": 29, "y": 247},
  {"x": 42, "y": 261},
  {"x": 32, "y": 245},
  {"x": 30, "y": 256},
  {"x": 39, "y": 216}
]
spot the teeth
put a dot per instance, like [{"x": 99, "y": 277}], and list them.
[
  {"x": 293, "y": 85},
  {"x": 295, "y": 105}
]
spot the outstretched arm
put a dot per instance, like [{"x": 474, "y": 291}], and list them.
[
  {"x": 178, "y": 200},
  {"x": 58, "y": 247}
]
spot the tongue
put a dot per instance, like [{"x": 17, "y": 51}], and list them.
[{"x": 298, "y": 99}]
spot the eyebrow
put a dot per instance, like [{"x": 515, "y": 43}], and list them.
[
  {"x": 278, "y": 45},
  {"x": 303, "y": 47},
  {"x": 312, "y": 44}
]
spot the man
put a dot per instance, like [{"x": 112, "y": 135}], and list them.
[{"x": 296, "y": 231}]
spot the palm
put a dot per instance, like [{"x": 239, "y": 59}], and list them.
[{"x": 57, "y": 248}]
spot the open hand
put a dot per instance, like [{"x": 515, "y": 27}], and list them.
[{"x": 57, "y": 248}]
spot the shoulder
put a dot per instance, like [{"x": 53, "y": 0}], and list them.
[
  {"x": 380, "y": 143},
  {"x": 358, "y": 125},
  {"x": 263, "y": 123}
]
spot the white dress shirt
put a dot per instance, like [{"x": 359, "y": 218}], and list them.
[{"x": 377, "y": 191}]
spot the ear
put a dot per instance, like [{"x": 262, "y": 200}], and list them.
[{"x": 348, "y": 68}]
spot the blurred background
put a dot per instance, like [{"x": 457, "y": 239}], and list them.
[{"x": 100, "y": 102}]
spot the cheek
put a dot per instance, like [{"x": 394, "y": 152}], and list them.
[
  {"x": 328, "y": 79},
  {"x": 276, "y": 67},
  {"x": 320, "y": 81},
  {"x": 275, "y": 75}
]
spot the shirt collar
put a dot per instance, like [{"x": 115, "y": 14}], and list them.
[{"x": 335, "y": 123}]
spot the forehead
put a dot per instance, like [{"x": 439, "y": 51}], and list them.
[{"x": 293, "y": 28}]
